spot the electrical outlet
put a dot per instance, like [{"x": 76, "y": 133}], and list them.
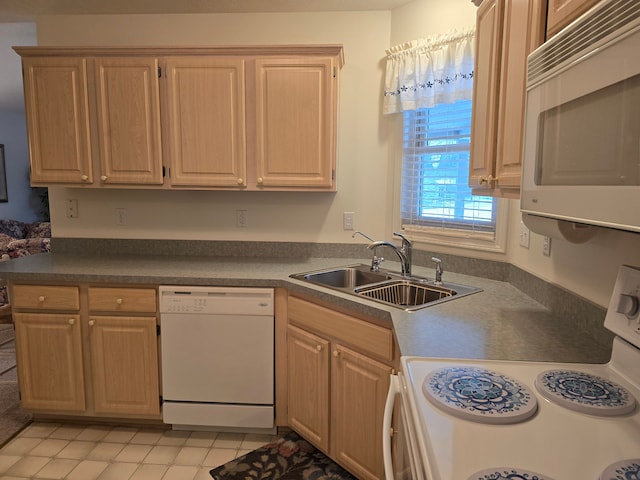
[
  {"x": 72, "y": 208},
  {"x": 546, "y": 246},
  {"x": 525, "y": 235},
  {"x": 347, "y": 220},
  {"x": 121, "y": 216},
  {"x": 242, "y": 218}
]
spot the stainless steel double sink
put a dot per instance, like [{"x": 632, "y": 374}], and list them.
[{"x": 409, "y": 293}]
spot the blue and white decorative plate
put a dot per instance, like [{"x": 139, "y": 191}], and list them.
[
  {"x": 507, "y": 474},
  {"x": 480, "y": 395},
  {"x": 584, "y": 392},
  {"x": 623, "y": 470}
]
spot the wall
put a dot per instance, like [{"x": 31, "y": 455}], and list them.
[{"x": 23, "y": 202}]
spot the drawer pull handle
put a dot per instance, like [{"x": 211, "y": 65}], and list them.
[
  {"x": 91, "y": 323},
  {"x": 119, "y": 301},
  {"x": 72, "y": 321},
  {"x": 41, "y": 298}
]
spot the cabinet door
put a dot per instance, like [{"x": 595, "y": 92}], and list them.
[
  {"x": 523, "y": 31},
  {"x": 562, "y": 12},
  {"x": 49, "y": 359},
  {"x": 128, "y": 113},
  {"x": 124, "y": 364},
  {"x": 57, "y": 111},
  {"x": 506, "y": 32},
  {"x": 485, "y": 93},
  {"x": 359, "y": 388},
  {"x": 205, "y": 121},
  {"x": 308, "y": 386},
  {"x": 296, "y": 122}
]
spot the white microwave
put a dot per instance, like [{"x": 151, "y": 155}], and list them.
[{"x": 582, "y": 121}]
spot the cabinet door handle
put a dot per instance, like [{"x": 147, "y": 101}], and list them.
[
  {"x": 84, "y": 178},
  {"x": 103, "y": 178},
  {"x": 41, "y": 298},
  {"x": 260, "y": 180},
  {"x": 319, "y": 348},
  {"x": 119, "y": 301},
  {"x": 72, "y": 321},
  {"x": 92, "y": 323},
  {"x": 336, "y": 353},
  {"x": 240, "y": 181}
]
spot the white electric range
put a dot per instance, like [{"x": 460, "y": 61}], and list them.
[{"x": 493, "y": 420}]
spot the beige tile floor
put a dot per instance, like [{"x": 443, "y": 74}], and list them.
[{"x": 46, "y": 451}]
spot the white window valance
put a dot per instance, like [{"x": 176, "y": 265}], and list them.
[{"x": 423, "y": 73}]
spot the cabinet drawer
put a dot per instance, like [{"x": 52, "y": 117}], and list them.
[
  {"x": 45, "y": 297},
  {"x": 365, "y": 336},
  {"x": 122, "y": 299}
]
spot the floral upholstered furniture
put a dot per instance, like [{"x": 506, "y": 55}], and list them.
[{"x": 19, "y": 239}]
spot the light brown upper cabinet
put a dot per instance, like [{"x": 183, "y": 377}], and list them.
[
  {"x": 57, "y": 105},
  {"x": 506, "y": 32},
  {"x": 205, "y": 136},
  {"x": 93, "y": 121},
  {"x": 234, "y": 118},
  {"x": 128, "y": 120},
  {"x": 296, "y": 131},
  {"x": 562, "y": 12}
]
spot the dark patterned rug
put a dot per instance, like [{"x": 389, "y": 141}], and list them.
[{"x": 288, "y": 458}]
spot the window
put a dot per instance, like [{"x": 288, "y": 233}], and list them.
[{"x": 435, "y": 171}]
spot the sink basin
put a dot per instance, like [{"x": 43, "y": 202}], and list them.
[
  {"x": 344, "y": 277},
  {"x": 390, "y": 288},
  {"x": 406, "y": 293}
]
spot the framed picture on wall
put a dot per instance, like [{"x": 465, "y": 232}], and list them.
[{"x": 3, "y": 177}]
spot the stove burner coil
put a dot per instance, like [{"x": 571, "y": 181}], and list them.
[
  {"x": 479, "y": 395},
  {"x": 583, "y": 392}
]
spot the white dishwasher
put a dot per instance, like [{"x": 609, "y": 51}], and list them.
[{"x": 217, "y": 358}]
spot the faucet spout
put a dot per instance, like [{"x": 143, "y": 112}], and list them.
[
  {"x": 358, "y": 232},
  {"x": 404, "y": 261}
]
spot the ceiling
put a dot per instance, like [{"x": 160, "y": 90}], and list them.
[{"x": 27, "y": 10}]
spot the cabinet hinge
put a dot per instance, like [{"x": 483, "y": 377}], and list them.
[
  {"x": 333, "y": 174},
  {"x": 160, "y": 399},
  {"x": 159, "y": 72},
  {"x": 158, "y": 330},
  {"x": 163, "y": 172}
]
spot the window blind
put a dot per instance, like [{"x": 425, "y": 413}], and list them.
[{"x": 435, "y": 171}]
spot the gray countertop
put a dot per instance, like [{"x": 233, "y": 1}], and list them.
[{"x": 500, "y": 322}]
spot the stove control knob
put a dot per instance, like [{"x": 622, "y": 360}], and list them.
[{"x": 628, "y": 305}]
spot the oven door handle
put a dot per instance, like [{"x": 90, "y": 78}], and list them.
[{"x": 387, "y": 432}]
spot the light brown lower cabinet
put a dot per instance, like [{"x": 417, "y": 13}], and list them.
[
  {"x": 337, "y": 390},
  {"x": 73, "y": 363},
  {"x": 49, "y": 359}
]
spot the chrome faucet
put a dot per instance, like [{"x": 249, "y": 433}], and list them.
[{"x": 403, "y": 253}]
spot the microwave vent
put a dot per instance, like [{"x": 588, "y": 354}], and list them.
[{"x": 608, "y": 19}]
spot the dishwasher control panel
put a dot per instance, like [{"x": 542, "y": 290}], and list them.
[{"x": 216, "y": 300}]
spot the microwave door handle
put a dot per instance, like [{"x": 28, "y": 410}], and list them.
[{"x": 387, "y": 432}]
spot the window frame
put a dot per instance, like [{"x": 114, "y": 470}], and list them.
[{"x": 494, "y": 242}]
